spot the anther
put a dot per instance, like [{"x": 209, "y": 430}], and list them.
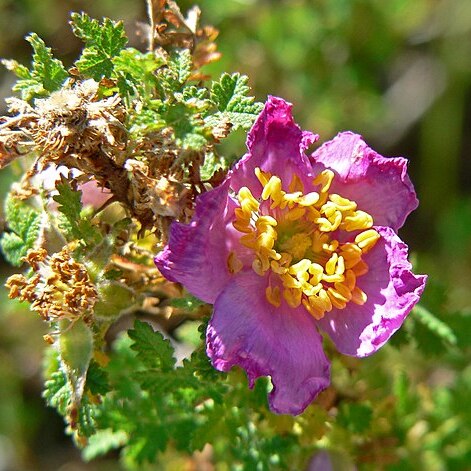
[
  {"x": 273, "y": 295},
  {"x": 325, "y": 179},
  {"x": 272, "y": 189},
  {"x": 367, "y": 239},
  {"x": 234, "y": 264}
]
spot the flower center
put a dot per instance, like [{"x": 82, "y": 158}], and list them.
[{"x": 301, "y": 240}]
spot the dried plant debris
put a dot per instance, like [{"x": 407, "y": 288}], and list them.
[{"x": 141, "y": 125}]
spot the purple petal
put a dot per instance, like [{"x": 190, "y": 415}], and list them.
[
  {"x": 392, "y": 291},
  {"x": 378, "y": 184},
  {"x": 276, "y": 144},
  {"x": 246, "y": 330},
  {"x": 196, "y": 254}
]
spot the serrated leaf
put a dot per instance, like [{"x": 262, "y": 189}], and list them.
[
  {"x": 102, "y": 442},
  {"x": 188, "y": 129},
  {"x": 174, "y": 77},
  {"x": 97, "y": 379},
  {"x": 211, "y": 165},
  {"x": 25, "y": 224},
  {"x": 229, "y": 95},
  {"x": 47, "y": 74},
  {"x": 103, "y": 42},
  {"x": 57, "y": 392},
  {"x": 18, "y": 69},
  {"x": 70, "y": 205},
  {"x": 152, "y": 348},
  {"x": 136, "y": 71}
]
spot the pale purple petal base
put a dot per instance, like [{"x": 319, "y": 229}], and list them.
[
  {"x": 247, "y": 331},
  {"x": 392, "y": 290},
  {"x": 380, "y": 185}
]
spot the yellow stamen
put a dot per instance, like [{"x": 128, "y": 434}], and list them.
[
  {"x": 325, "y": 179},
  {"x": 359, "y": 296},
  {"x": 247, "y": 201},
  {"x": 262, "y": 177},
  {"x": 234, "y": 265},
  {"x": 343, "y": 204},
  {"x": 273, "y": 295},
  {"x": 357, "y": 221},
  {"x": 272, "y": 189},
  {"x": 316, "y": 311},
  {"x": 296, "y": 184},
  {"x": 295, "y": 213},
  {"x": 331, "y": 264},
  {"x": 292, "y": 297},
  {"x": 309, "y": 199},
  {"x": 293, "y": 238},
  {"x": 367, "y": 239}
]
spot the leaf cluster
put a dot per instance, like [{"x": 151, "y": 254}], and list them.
[{"x": 24, "y": 225}]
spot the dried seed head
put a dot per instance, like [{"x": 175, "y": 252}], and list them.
[{"x": 59, "y": 289}]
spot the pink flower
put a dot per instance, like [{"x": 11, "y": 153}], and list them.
[{"x": 289, "y": 244}]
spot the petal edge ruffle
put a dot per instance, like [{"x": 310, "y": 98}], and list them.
[
  {"x": 380, "y": 185},
  {"x": 392, "y": 290}
]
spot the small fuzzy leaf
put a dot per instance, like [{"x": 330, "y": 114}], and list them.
[
  {"x": 18, "y": 69},
  {"x": 152, "y": 348},
  {"x": 103, "y": 42},
  {"x": 230, "y": 98},
  {"x": 102, "y": 442},
  {"x": 97, "y": 379},
  {"x": 70, "y": 205},
  {"x": 178, "y": 72},
  {"x": 57, "y": 392},
  {"x": 46, "y": 68},
  {"x": 212, "y": 164},
  {"x": 25, "y": 224}
]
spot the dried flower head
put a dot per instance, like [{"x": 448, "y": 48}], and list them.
[{"x": 60, "y": 287}]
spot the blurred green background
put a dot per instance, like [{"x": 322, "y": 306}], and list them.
[{"x": 398, "y": 72}]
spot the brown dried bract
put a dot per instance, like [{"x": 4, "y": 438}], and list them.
[{"x": 169, "y": 28}]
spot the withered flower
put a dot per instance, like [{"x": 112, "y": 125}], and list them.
[{"x": 60, "y": 287}]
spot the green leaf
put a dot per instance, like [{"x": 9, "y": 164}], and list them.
[
  {"x": 230, "y": 98},
  {"x": 103, "y": 42},
  {"x": 152, "y": 348},
  {"x": 25, "y": 224},
  {"x": 97, "y": 379},
  {"x": 136, "y": 71},
  {"x": 75, "y": 225},
  {"x": 47, "y": 75},
  {"x": 18, "y": 69},
  {"x": 174, "y": 77},
  {"x": 57, "y": 392},
  {"x": 49, "y": 70},
  {"x": 187, "y": 126},
  {"x": 102, "y": 442},
  {"x": 212, "y": 164}
]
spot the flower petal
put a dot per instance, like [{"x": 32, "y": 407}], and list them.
[
  {"x": 276, "y": 144},
  {"x": 196, "y": 254},
  {"x": 392, "y": 291},
  {"x": 246, "y": 330},
  {"x": 379, "y": 185}
]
